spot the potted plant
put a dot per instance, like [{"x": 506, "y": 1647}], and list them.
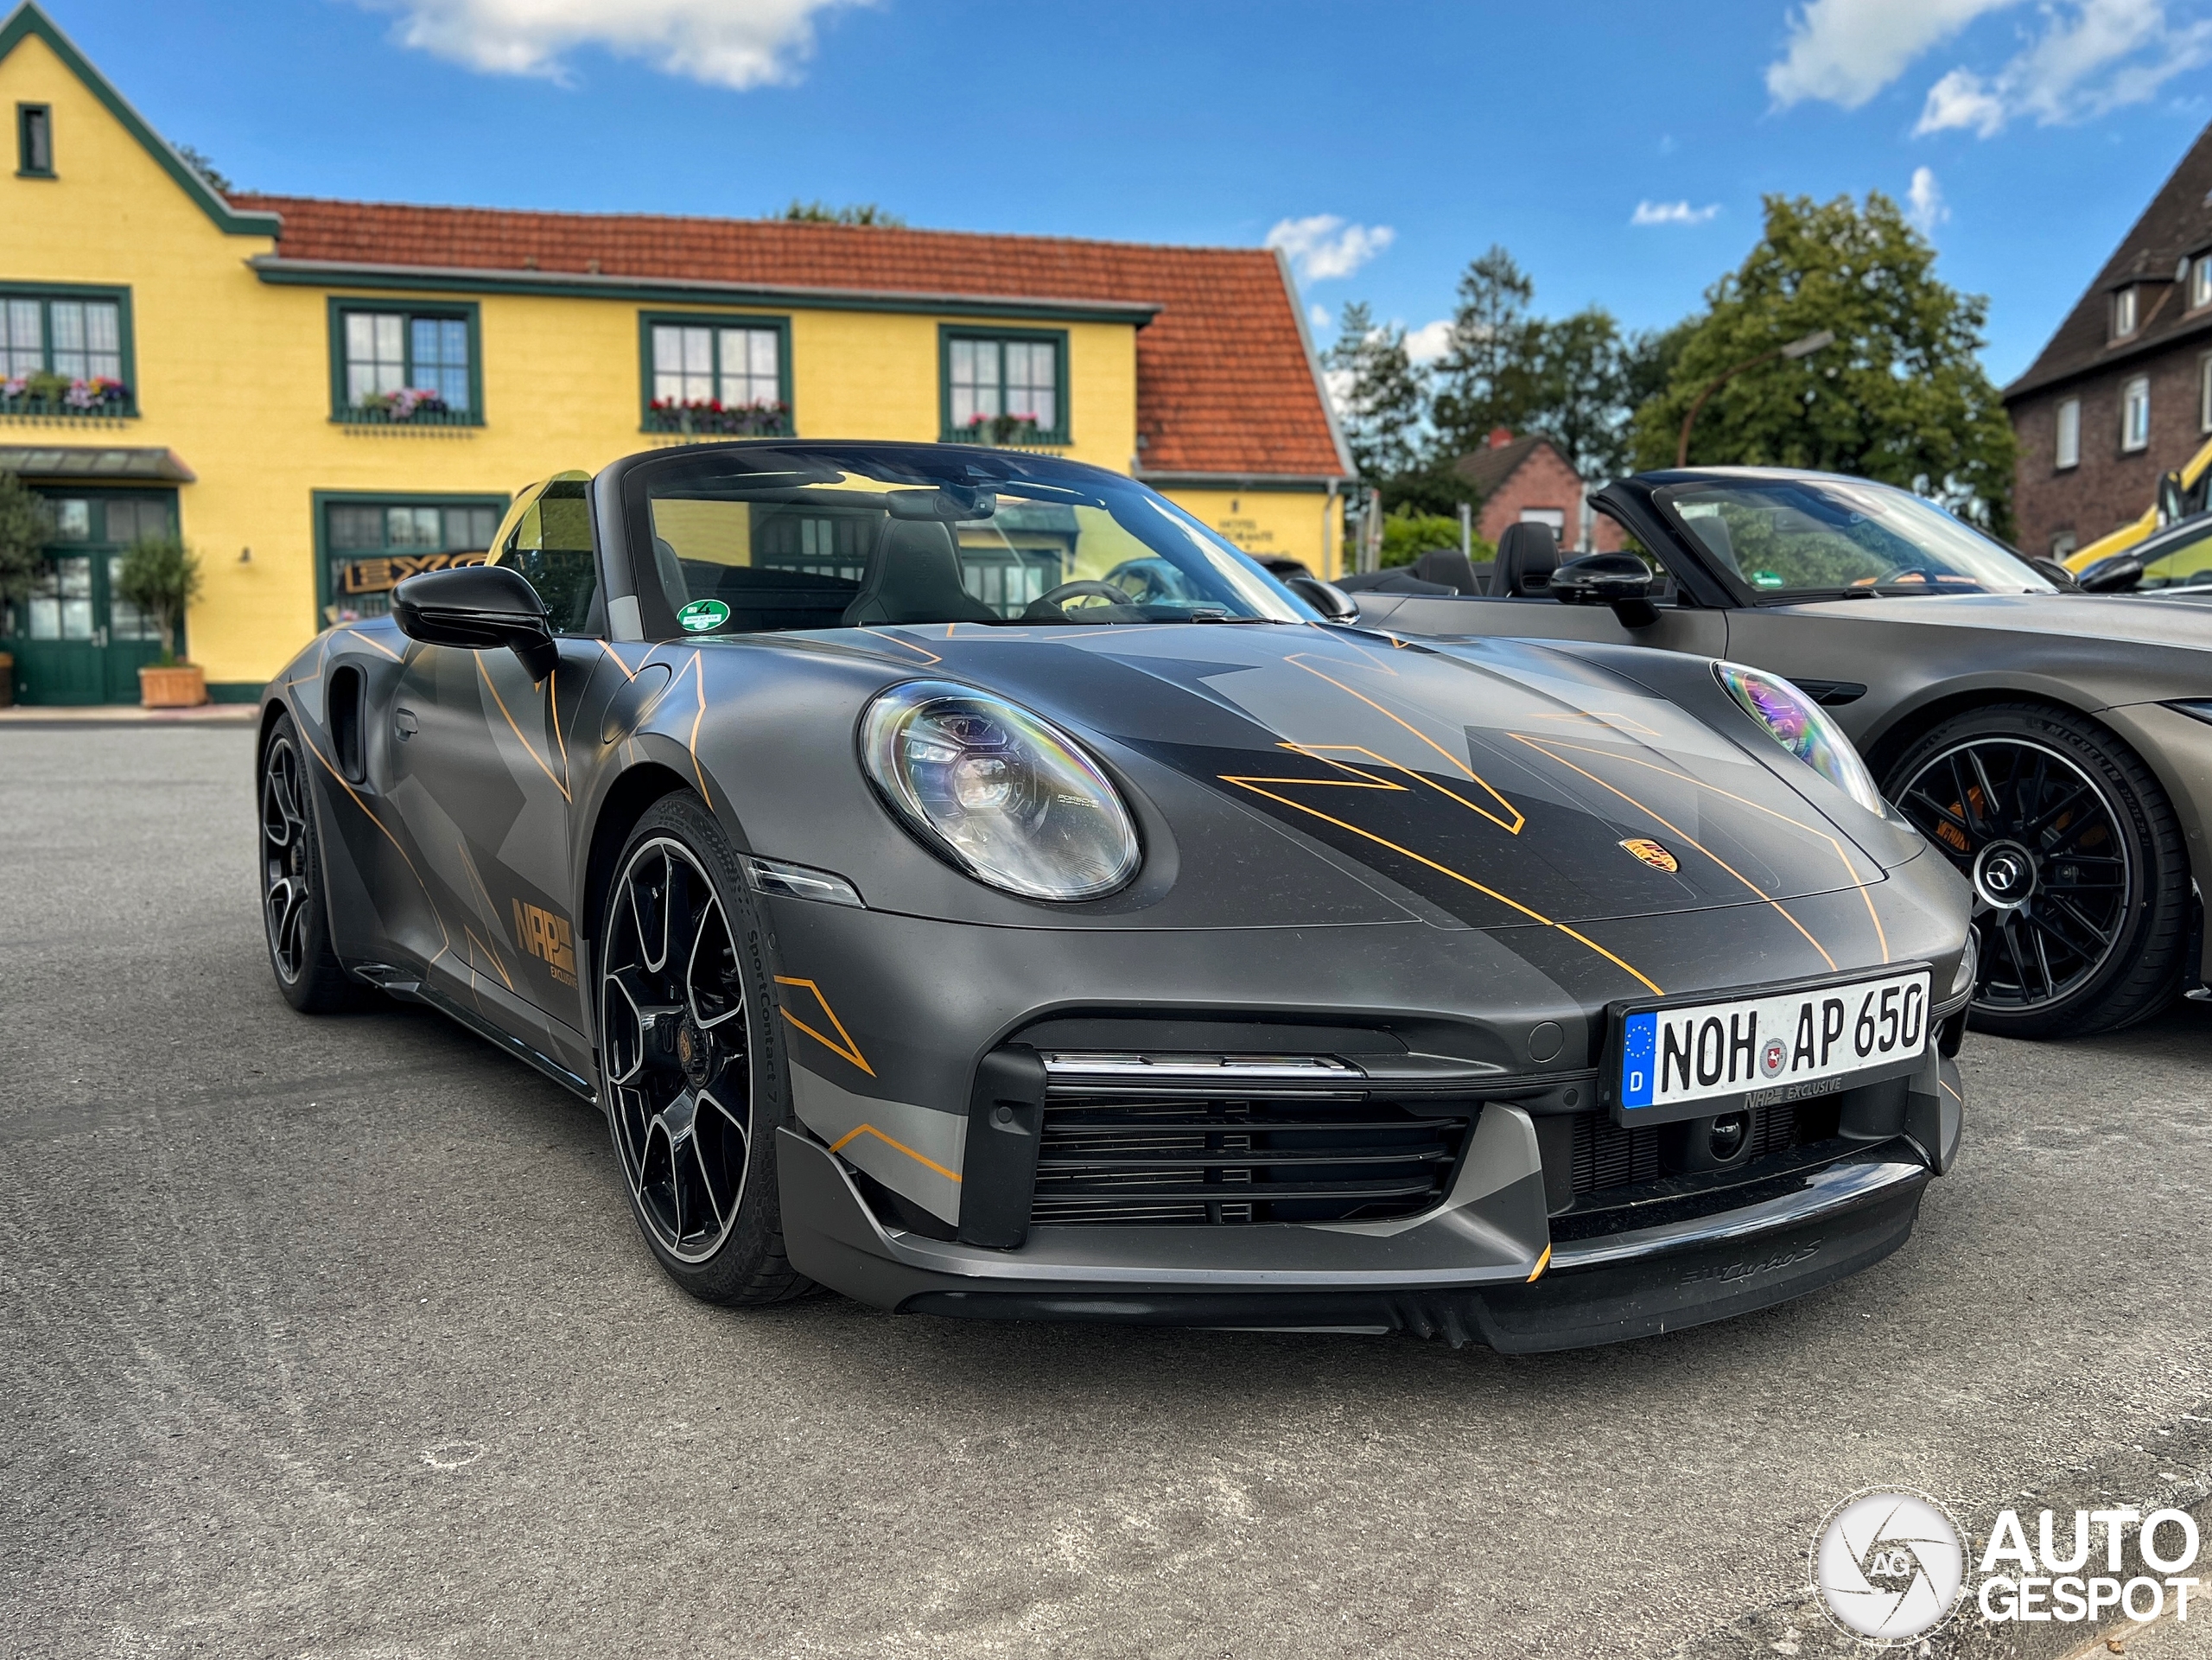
[
  {"x": 26, "y": 527},
  {"x": 161, "y": 577}
]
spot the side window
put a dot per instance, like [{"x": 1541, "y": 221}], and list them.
[
  {"x": 550, "y": 543},
  {"x": 2188, "y": 566}
]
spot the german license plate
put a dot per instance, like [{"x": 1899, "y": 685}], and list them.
[{"x": 1768, "y": 1046}]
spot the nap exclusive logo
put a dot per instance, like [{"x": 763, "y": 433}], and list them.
[
  {"x": 547, "y": 937},
  {"x": 1891, "y": 1567}
]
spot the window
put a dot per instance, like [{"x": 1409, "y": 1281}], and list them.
[
  {"x": 371, "y": 546},
  {"x": 551, "y": 548},
  {"x": 2204, "y": 393},
  {"x": 2135, "y": 413},
  {"x": 65, "y": 352},
  {"x": 2123, "y": 314},
  {"x": 1005, "y": 388},
  {"x": 34, "y": 141},
  {"x": 716, "y": 374},
  {"x": 2200, "y": 282},
  {"x": 2070, "y": 433},
  {"x": 2061, "y": 545},
  {"x": 1553, "y": 518},
  {"x": 404, "y": 366}
]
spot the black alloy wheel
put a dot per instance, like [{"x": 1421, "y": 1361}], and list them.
[
  {"x": 690, "y": 1077},
  {"x": 2081, "y": 887},
  {"x": 294, "y": 917}
]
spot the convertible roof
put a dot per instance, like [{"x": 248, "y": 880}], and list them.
[{"x": 1227, "y": 384}]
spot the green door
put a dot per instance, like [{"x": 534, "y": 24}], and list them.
[{"x": 75, "y": 640}]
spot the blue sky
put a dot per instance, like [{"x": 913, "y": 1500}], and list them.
[{"x": 1396, "y": 140}]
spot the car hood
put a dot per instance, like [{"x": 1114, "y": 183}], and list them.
[
  {"x": 2145, "y": 620},
  {"x": 1506, "y": 782}
]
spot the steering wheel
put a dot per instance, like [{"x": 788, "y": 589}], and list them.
[
  {"x": 1056, "y": 599},
  {"x": 1898, "y": 572}
]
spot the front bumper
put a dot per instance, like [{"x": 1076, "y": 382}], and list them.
[{"x": 1484, "y": 1266}]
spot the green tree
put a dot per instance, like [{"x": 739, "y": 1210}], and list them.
[
  {"x": 1901, "y": 396},
  {"x": 1381, "y": 395},
  {"x": 161, "y": 577},
  {"x": 1408, "y": 533},
  {"x": 26, "y": 526},
  {"x": 216, "y": 181},
  {"x": 1578, "y": 368},
  {"x": 1489, "y": 376},
  {"x": 820, "y": 212}
]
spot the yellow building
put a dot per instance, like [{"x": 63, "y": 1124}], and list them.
[{"x": 321, "y": 397}]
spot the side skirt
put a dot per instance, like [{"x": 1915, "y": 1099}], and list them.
[{"x": 409, "y": 988}]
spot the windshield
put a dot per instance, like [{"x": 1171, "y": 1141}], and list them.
[
  {"x": 772, "y": 539},
  {"x": 1788, "y": 538}
]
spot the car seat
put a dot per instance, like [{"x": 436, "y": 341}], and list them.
[
  {"x": 914, "y": 576},
  {"x": 1527, "y": 554},
  {"x": 1450, "y": 567}
]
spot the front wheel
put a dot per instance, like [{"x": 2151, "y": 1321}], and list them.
[
  {"x": 2081, "y": 882},
  {"x": 689, "y": 1066}
]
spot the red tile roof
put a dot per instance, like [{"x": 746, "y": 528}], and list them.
[{"x": 1224, "y": 384}]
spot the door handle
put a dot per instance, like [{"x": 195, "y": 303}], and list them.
[{"x": 404, "y": 723}]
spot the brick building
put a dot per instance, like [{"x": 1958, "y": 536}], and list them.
[
  {"x": 2123, "y": 392},
  {"x": 1527, "y": 479}
]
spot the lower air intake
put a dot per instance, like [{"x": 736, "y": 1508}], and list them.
[{"x": 1230, "y": 1162}]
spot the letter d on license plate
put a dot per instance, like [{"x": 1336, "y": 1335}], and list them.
[{"x": 1761, "y": 1048}]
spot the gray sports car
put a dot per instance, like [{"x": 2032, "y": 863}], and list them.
[
  {"x": 965, "y": 880},
  {"x": 2056, "y": 744}
]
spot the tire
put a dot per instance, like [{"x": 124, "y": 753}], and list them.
[
  {"x": 690, "y": 1063},
  {"x": 2081, "y": 881},
  {"x": 295, "y": 910}
]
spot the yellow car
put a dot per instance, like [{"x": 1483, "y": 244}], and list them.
[{"x": 2181, "y": 495}]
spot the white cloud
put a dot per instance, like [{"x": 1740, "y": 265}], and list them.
[
  {"x": 1317, "y": 315},
  {"x": 1322, "y": 245},
  {"x": 1845, "y": 51},
  {"x": 2099, "y": 56},
  {"x": 735, "y": 43},
  {"x": 1430, "y": 341},
  {"x": 1672, "y": 212},
  {"x": 1924, "y": 202}
]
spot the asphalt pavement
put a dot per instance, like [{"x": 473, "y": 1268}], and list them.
[{"x": 333, "y": 1337}]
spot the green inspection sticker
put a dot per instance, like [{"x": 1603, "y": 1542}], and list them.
[
  {"x": 702, "y": 616},
  {"x": 1766, "y": 579}
]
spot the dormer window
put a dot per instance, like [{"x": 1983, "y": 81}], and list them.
[
  {"x": 2123, "y": 314},
  {"x": 2200, "y": 280}
]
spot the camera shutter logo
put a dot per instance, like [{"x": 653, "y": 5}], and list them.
[{"x": 1890, "y": 1565}]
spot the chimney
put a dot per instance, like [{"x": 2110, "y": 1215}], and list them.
[{"x": 1500, "y": 436}]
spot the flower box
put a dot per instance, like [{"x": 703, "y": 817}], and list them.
[
  {"x": 715, "y": 419},
  {"x": 179, "y": 685},
  {"x": 1005, "y": 432},
  {"x": 412, "y": 406},
  {"x": 56, "y": 395}
]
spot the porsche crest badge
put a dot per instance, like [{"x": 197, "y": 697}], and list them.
[{"x": 1652, "y": 854}]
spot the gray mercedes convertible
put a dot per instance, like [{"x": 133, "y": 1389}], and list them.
[
  {"x": 2055, "y": 745},
  {"x": 964, "y": 880}
]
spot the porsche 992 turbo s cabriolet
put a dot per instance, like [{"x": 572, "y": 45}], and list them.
[
  {"x": 965, "y": 880},
  {"x": 2056, "y": 746}
]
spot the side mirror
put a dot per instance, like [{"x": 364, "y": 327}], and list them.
[
  {"x": 1332, "y": 602},
  {"x": 2060, "y": 577},
  {"x": 1620, "y": 580},
  {"x": 479, "y": 608},
  {"x": 2113, "y": 574}
]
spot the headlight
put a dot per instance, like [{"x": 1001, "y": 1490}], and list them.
[
  {"x": 1006, "y": 797},
  {"x": 1803, "y": 727}
]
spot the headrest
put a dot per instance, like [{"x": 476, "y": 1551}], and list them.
[{"x": 1527, "y": 554}]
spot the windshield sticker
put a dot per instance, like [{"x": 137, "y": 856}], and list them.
[{"x": 702, "y": 615}]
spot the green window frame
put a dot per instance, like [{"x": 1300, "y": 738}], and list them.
[
  {"x": 416, "y": 531},
  {"x": 34, "y": 141},
  {"x": 989, "y": 379},
  {"x": 72, "y": 331},
  {"x": 383, "y": 350},
  {"x": 686, "y": 358}
]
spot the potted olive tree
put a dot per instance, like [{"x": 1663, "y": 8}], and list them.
[
  {"x": 26, "y": 526},
  {"x": 161, "y": 577}
]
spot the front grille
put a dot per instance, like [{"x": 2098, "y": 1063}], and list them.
[
  {"x": 1228, "y": 1162},
  {"x": 1607, "y": 1155}
]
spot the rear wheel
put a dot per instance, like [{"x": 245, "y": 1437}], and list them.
[
  {"x": 2081, "y": 882},
  {"x": 294, "y": 914},
  {"x": 688, "y": 1066}
]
